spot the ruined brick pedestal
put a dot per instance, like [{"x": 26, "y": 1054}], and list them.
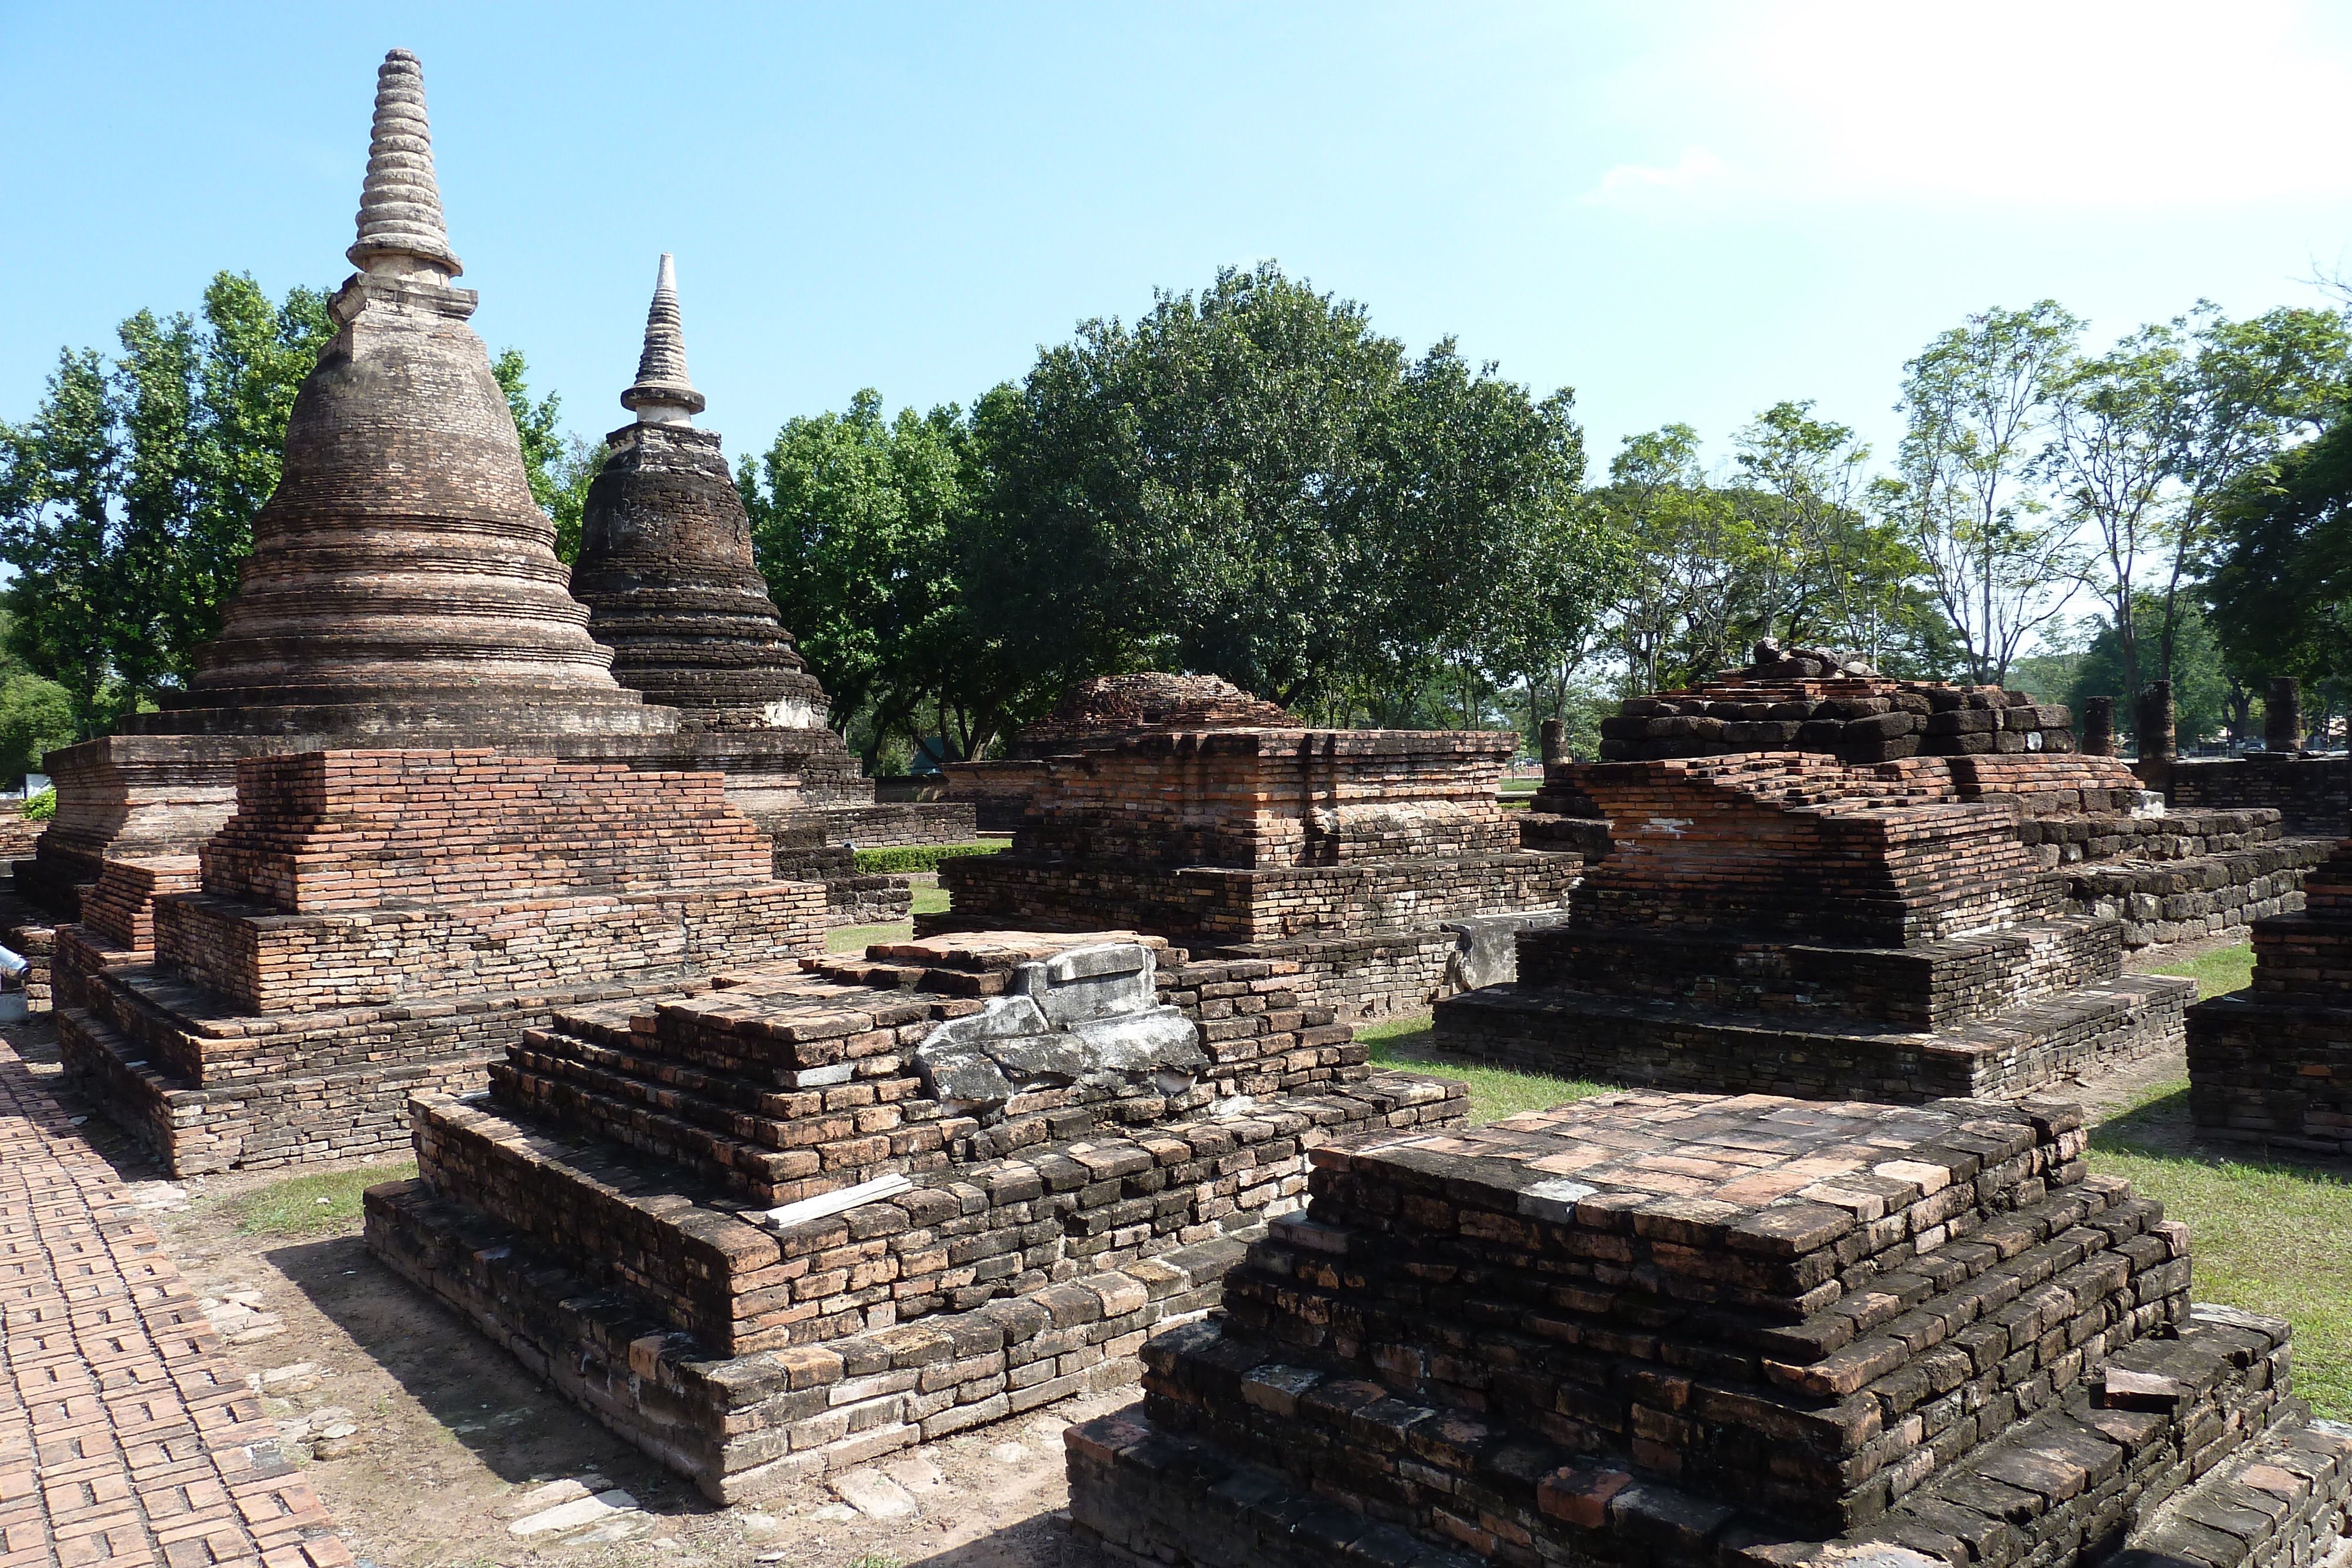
[
  {"x": 1786, "y": 923},
  {"x": 2273, "y": 1063},
  {"x": 373, "y": 923},
  {"x": 2226, "y": 854},
  {"x": 1750, "y": 1332},
  {"x": 817, "y": 1214},
  {"x": 1374, "y": 860}
]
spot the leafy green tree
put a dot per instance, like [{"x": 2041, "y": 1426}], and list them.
[
  {"x": 1979, "y": 403},
  {"x": 36, "y": 716},
  {"x": 1683, "y": 604},
  {"x": 2201, "y": 690},
  {"x": 127, "y": 501},
  {"x": 2282, "y": 595},
  {"x": 559, "y": 471},
  {"x": 857, "y": 520}
]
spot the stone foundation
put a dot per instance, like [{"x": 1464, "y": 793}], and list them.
[
  {"x": 972, "y": 1219},
  {"x": 1739, "y": 1332}
]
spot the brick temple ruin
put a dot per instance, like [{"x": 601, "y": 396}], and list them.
[
  {"x": 406, "y": 810},
  {"x": 2271, "y": 1064},
  {"x": 802, "y": 1218},
  {"x": 1737, "y": 1333},
  {"x": 403, "y": 592},
  {"x": 1787, "y": 922},
  {"x": 2191, "y": 871},
  {"x": 1380, "y": 862}
]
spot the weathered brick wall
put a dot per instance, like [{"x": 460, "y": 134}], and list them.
[
  {"x": 2311, "y": 794},
  {"x": 1272, "y": 798},
  {"x": 1214, "y": 903},
  {"x": 263, "y": 962},
  {"x": 326, "y": 830},
  {"x": 1785, "y": 842},
  {"x": 17, "y": 836},
  {"x": 1857, "y": 719}
]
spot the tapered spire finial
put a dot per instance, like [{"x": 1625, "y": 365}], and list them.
[
  {"x": 399, "y": 206},
  {"x": 664, "y": 393}
]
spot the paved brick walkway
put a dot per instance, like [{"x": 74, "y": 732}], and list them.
[{"x": 126, "y": 1434}]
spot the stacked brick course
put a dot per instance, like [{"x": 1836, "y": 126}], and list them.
[
  {"x": 2311, "y": 794},
  {"x": 635, "y": 1153},
  {"x": 373, "y": 922},
  {"x": 1352, "y": 852},
  {"x": 1785, "y": 923},
  {"x": 2273, "y": 1063},
  {"x": 1684, "y": 1329}
]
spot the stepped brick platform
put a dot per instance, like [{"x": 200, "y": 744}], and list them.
[
  {"x": 1742, "y": 1333},
  {"x": 1368, "y": 858},
  {"x": 1787, "y": 924},
  {"x": 2207, "y": 871},
  {"x": 370, "y": 923},
  {"x": 2273, "y": 1063},
  {"x": 814, "y": 1214}
]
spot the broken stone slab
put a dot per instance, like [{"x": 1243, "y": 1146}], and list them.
[
  {"x": 571, "y": 1515},
  {"x": 1160, "y": 1040},
  {"x": 1095, "y": 982},
  {"x": 1486, "y": 947},
  {"x": 875, "y": 1495},
  {"x": 542, "y": 1497},
  {"x": 838, "y": 1202}
]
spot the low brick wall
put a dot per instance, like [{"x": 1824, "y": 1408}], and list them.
[{"x": 2311, "y": 794}]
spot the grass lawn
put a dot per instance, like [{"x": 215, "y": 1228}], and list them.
[
  {"x": 2227, "y": 969},
  {"x": 930, "y": 899},
  {"x": 1495, "y": 1091},
  {"x": 302, "y": 1205},
  {"x": 2267, "y": 1237}
]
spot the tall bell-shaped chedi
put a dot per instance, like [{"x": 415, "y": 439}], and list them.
[
  {"x": 402, "y": 577},
  {"x": 665, "y": 566},
  {"x": 666, "y": 570},
  {"x": 403, "y": 590}
]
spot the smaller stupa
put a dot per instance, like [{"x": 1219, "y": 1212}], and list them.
[{"x": 665, "y": 566}]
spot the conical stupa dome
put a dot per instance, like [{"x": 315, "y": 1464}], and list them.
[
  {"x": 403, "y": 579},
  {"x": 662, "y": 383}
]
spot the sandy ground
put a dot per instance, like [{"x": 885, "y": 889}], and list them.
[{"x": 428, "y": 1444}]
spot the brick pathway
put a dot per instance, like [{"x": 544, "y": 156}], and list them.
[{"x": 126, "y": 1434}]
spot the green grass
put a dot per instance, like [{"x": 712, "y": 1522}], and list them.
[
  {"x": 1495, "y": 1091},
  {"x": 293, "y": 1207},
  {"x": 904, "y": 858},
  {"x": 2225, "y": 969},
  {"x": 2266, "y": 1238},
  {"x": 857, "y": 938},
  {"x": 933, "y": 900}
]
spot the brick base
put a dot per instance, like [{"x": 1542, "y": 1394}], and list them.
[
  {"x": 736, "y": 1425},
  {"x": 2273, "y": 1073},
  {"x": 1569, "y": 1034}
]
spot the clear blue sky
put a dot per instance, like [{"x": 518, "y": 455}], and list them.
[{"x": 1684, "y": 210}]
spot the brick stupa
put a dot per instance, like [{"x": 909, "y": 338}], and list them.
[
  {"x": 1380, "y": 860},
  {"x": 396, "y": 680},
  {"x": 666, "y": 571},
  {"x": 1785, "y": 923},
  {"x": 1665, "y": 1329}
]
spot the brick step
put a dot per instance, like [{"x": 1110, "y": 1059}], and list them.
[
  {"x": 2278, "y": 1500},
  {"x": 1572, "y": 1034},
  {"x": 1166, "y": 1483},
  {"x": 1616, "y": 1319}
]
